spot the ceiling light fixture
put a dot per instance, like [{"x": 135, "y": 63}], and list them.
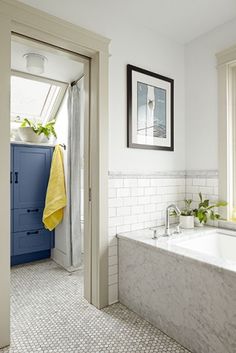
[{"x": 35, "y": 63}]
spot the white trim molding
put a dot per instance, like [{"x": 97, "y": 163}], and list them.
[
  {"x": 226, "y": 56},
  {"x": 5, "y": 40}
]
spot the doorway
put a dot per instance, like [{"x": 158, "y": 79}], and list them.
[
  {"x": 56, "y": 96},
  {"x": 23, "y": 20},
  {"x": 42, "y": 83}
]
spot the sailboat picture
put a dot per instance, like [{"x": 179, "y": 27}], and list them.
[{"x": 150, "y": 110}]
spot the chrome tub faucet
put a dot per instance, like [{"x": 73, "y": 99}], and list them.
[{"x": 167, "y": 219}]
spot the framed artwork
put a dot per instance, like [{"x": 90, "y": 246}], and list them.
[{"x": 150, "y": 105}]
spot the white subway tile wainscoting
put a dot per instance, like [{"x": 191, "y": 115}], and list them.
[
  {"x": 138, "y": 201},
  {"x": 205, "y": 182}
]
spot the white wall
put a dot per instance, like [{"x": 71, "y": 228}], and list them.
[
  {"x": 131, "y": 44},
  {"x": 201, "y": 96},
  {"x": 147, "y": 50}
]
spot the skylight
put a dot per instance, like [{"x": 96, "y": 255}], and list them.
[{"x": 35, "y": 98}]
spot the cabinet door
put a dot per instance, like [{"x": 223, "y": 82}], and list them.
[{"x": 30, "y": 176}]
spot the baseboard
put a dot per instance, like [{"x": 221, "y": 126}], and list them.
[{"x": 60, "y": 258}]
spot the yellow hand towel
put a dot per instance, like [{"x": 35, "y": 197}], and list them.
[{"x": 56, "y": 193}]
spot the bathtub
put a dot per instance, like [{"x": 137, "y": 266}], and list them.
[
  {"x": 213, "y": 244},
  {"x": 185, "y": 285}
]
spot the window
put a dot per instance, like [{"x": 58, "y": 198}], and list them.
[
  {"x": 227, "y": 130},
  {"x": 35, "y": 98}
]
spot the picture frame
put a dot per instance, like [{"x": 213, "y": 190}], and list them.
[{"x": 150, "y": 110}]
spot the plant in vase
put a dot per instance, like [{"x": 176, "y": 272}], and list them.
[
  {"x": 30, "y": 131},
  {"x": 206, "y": 211},
  {"x": 186, "y": 219}
]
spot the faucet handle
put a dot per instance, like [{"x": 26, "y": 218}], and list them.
[
  {"x": 177, "y": 230},
  {"x": 154, "y": 234},
  {"x": 154, "y": 230}
]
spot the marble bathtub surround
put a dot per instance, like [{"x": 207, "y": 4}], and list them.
[
  {"x": 138, "y": 200},
  {"x": 175, "y": 243},
  {"x": 190, "y": 295}
]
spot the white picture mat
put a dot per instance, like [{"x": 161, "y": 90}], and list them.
[{"x": 152, "y": 81}]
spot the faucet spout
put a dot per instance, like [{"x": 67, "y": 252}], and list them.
[
  {"x": 167, "y": 218},
  {"x": 176, "y": 208}
]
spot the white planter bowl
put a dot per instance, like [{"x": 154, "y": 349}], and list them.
[
  {"x": 197, "y": 222},
  {"x": 27, "y": 134},
  {"x": 186, "y": 222}
]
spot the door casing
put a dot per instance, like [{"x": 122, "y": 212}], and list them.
[{"x": 24, "y": 20}]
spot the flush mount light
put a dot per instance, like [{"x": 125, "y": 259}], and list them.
[{"x": 35, "y": 63}]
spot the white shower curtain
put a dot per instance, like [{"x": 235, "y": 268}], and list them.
[{"x": 75, "y": 158}]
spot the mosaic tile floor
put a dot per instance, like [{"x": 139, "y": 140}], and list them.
[{"x": 50, "y": 315}]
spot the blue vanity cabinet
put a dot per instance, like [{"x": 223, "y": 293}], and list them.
[{"x": 30, "y": 170}]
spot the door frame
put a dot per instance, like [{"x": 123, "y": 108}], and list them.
[{"x": 25, "y": 20}]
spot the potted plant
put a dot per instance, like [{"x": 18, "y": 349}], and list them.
[
  {"x": 30, "y": 131},
  {"x": 206, "y": 211},
  {"x": 186, "y": 218}
]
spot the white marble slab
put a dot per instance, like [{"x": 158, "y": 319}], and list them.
[
  {"x": 173, "y": 244},
  {"x": 188, "y": 295}
]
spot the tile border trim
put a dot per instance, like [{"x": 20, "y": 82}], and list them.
[
  {"x": 180, "y": 174},
  {"x": 209, "y": 174}
]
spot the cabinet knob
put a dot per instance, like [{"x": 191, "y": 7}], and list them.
[
  {"x": 16, "y": 177},
  {"x": 34, "y": 232},
  {"x": 34, "y": 210}
]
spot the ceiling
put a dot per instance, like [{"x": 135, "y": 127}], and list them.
[
  {"x": 59, "y": 66},
  {"x": 180, "y": 20}
]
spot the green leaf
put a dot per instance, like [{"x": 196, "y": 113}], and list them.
[
  {"x": 39, "y": 129},
  {"x": 200, "y": 196},
  {"x": 205, "y": 203},
  {"x": 26, "y": 122},
  {"x": 187, "y": 211},
  {"x": 221, "y": 204},
  {"x": 205, "y": 209}
]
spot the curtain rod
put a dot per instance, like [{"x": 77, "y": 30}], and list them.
[{"x": 73, "y": 83}]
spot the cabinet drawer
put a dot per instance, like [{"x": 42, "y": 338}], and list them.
[
  {"x": 27, "y": 219},
  {"x": 31, "y": 241}
]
